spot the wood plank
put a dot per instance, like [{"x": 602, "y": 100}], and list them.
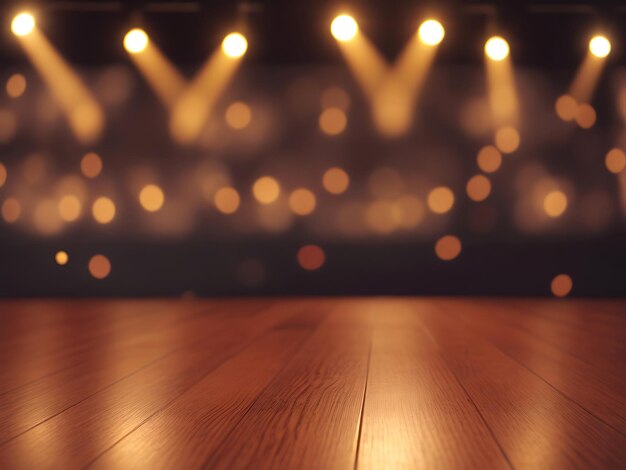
[
  {"x": 309, "y": 416},
  {"x": 535, "y": 425},
  {"x": 186, "y": 433},
  {"x": 82, "y": 432},
  {"x": 416, "y": 414},
  {"x": 584, "y": 383}
]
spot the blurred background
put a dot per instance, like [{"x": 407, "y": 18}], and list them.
[{"x": 222, "y": 148}]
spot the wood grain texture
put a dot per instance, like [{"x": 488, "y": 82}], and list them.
[{"x": 313, "y": 383}]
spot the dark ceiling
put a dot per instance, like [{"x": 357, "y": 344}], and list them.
[{"x": 545, "y": 33}]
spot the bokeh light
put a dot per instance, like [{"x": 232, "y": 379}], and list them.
[
  {"x": 561, "y": 285},
  {"x": 103, "y": 210},
  {"x": 91, "y": 165},
  {"x": 566, "y": 108},
  {"x": 344, "y": 28},
  {"x": 99, "y": 266},
  {"x": 336, "y": 180},
  {"x": 600, "y": 46},
  {"x": 448, "y": 247},
  {"x": 302, "y": 201},
  {"x": 478, "y": 188},
  {"x": 431, "y": 32},
  {"x": 227, "y": 200},
  {"x": 16, "y": 85},
  {"x": 555, "y": 203},
  {"x": 238, "y": 115},
  {"x": 440, "y": 200},
  {"x": 311, "y": 257},
  {"x": 615, "y": 161},
  {"x": 333, "y": 121},
  {"x": 151, "y": 197},
  {"x": 11, "y": 210},
  {"x": 3, "y": 175},
  {"x": 61, "y": 258},
  {"x": 507, "y": 139},
  {"x": 586, "y": 116},
  {"x": 266, "y": 190},
  {"x": 23, "y": 24},
  {"x": 489, "y": 159},
  {"x": 235, "y": 45},
  {"x": 70, "y": 208},
  {"x": 497, "y": 48},
  {"x": 136, "y": 41}
]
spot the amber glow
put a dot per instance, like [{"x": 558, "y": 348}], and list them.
[
  {"x": 448, "y": 247},
  {"x": 489, "y": 159},
  {"x": 615, "y": 161},
  {"x": 16, "y": 85},
  {"x": 344, "y": 28},
  {"x": 238, "y": 115},
  {"x": 586, "y": 79},
  {"x": 478, "y": 188},
  {"x": 266, "y": 190},
  {"x": 501, "y": 88},
  {"x": 311, "y": 257},
  {"x": 566, "y": 108},
  {"x": 61, "y": 258},
  {"x": 555, "y": 203},
  {"x": 561, "y": 285},
  {"x": 151, "y": 198},
  {"x": 441, "y": 200},
  {"x": 103, "y": 210},
  {"x": 227, "y": 200},
  {"x": 336, "y": 180},
  {"x": 507, "y": 139},
  {"x": 333, "y": 121},
  {"x": 70, "y": 208},
  {"x": 11, "y": 210},
  {"x": 99, "y": 266},
  {"x": 82, "y": 111},
  {"x": 302, "y": 201},
  {"x": 91, "y": 165},
  {"x": 585, "y": 116}
]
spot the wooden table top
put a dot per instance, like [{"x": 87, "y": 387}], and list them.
[{"x": 313, "y": 383}]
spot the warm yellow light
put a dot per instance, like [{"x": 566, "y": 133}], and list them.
[
  {"x": 478, "y": 188},
  {"x": 23, "y": 24},
  {"x": 151, "y": 198},
  {"x": 566, "y": 108},
  {"x": 70, "y": 208},
  {"x": 238, "y": 115},
  {"x": 136, "y": 41},
  {"x": 235, "y": 45},
  {"x": 227, "y": 200},
  {"x": 91, "y": 165},
  {"x": 489, "y": 159},
  {"x": 440, "y": 200},
  {"x": 431, "y": 32},
  {"x": 497, "y": 48},
  {"x": 3, "y": 175},
  {"x": 615, "y": 160},
  {"x": 11, "y": 210},
  {"x": 266, "y": 190},
  {"x": 333, "y": 121},
  {"x": 344, "y": 28},
  {"x": 507, "y": 139},
  {"x": 103, "y": 210},
  {"x": 336, "y": 180},
  {"x": 61, "y": 258},
  {"x": 600, "y": 46}
]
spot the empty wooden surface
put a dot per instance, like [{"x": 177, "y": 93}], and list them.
[{"x": 313, "y": 383}]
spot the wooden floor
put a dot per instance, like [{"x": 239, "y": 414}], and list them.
[{"x": 313, "y": 383}]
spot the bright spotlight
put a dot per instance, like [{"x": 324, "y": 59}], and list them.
[
  {"x": 344, "y": 28},
  {"x": 23, "y": 24},
  {"x": 235, "y": 45},
  {"x": 497, "y": 48},
  {"x": 136, "y": 41},
  {"x": 600, "y": 46},
  {"x": 431, "y": 32}
]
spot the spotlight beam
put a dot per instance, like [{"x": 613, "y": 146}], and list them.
[
  {"x": 83, "y": 113},
  {"x": 162, "y": 76},
  {"x": 194, "y": 106},
  {"x": 502, "y": 92}
]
